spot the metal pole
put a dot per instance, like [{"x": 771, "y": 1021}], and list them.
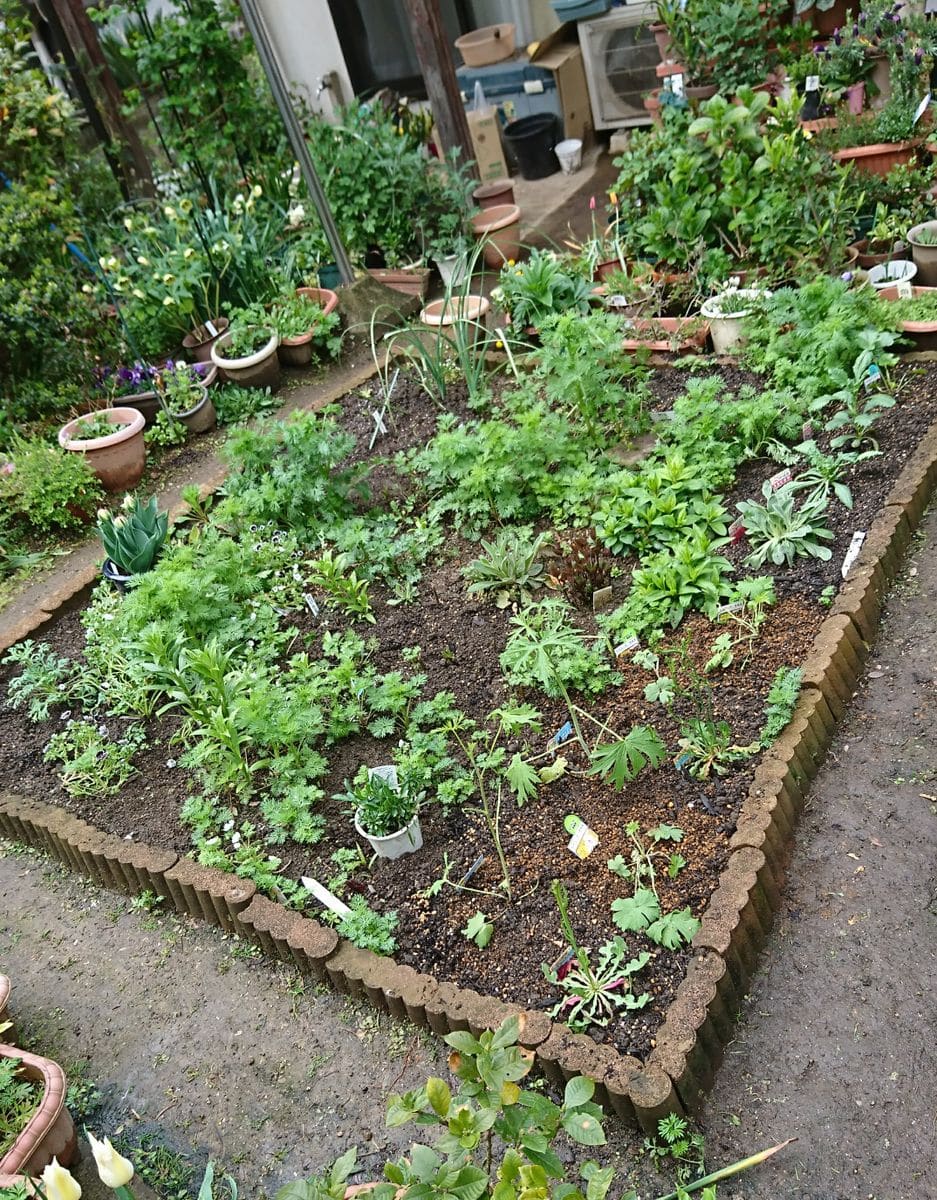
[{"x": 294, "y": 131}]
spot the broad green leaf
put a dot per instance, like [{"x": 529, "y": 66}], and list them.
[
  {"x": 599, "y": 1180},
  {"x": 635, "y": 913},
  {"x": 666, "y": 833},
  {"x": 623, "y": 759},
  {"x": 462, "y": 1041},
  {"x": 523, "y": 779},
  {"x": 584, "y": 1129},
  {"x": 507, "y": 1034},
  {"x": 439, "y": 1095},
  {"x": 674, "y": 929},
  {"x": 510, "y": 1094},
  {"x": 578, "y": 1091}
]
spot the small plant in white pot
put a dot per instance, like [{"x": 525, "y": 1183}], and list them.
[
  {"x": 247, "y": 354},
  {"x": 727, "y": 309},
  {"x": 386, "y": 811}
]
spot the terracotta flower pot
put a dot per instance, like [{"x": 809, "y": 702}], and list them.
[
  {"x": 258, "y": 370},
  {"x": 443, "y": 314},
  {"x": 499, "y": 229},
  {"x": 144, "y": 402},
  {"x": 652, "y": 105},
  {"x": 199, "y": 342},
  {"x": 490, "y": 195},
  {"x": 50, "y": 1132},
  {"x": 662, "y": 38},
  {"x": 411, "y": 281},
  {"x": 297, "y": 351},
  {"x": 878, "y": 159},
  {"x": 921, "y": 334},
  {"x": 865, "y": 258},
  {"x": 118, "y": 459},
  {"x": 702, "y": 91}
]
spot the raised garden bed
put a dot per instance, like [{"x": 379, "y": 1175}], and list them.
[{"x": 461, "y": 638}]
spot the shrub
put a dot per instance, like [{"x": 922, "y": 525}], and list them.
[{"x": 47, "y": 490}]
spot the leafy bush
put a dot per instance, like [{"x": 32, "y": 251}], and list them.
[
  {"x": 546, "y": 650},
  {"x": 539, "y": 288},
  {"x": 47, "y": 490}
]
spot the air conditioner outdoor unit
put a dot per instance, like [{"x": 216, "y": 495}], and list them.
[{"x": 620, "y": 57}]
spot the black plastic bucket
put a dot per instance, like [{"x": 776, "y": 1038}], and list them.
[{"x": 531, "y": 139}]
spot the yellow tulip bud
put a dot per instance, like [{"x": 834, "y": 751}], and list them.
[
  {"x": 59, "y": 1184},
  {"x": 114, "y": 1170}
]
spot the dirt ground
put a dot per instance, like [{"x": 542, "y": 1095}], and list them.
[{"x": 216, "y": 1053}]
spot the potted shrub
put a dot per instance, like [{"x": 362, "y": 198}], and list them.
[
  {"x": 304, "y": 324},
  {"x": 725, "y": 312},
  {"x": 538, "y": 288},
  {"x": 386, "y": 812},
  {"x": 135, "y": 387},
  {"x": 923, "y": 241},
  {"x": 112, "y": 442},
  {"x": 247, "y": 354},
  {"x": 35, "y": 1125},
  {"x": 917, "y": 315},
  {"x": 132, "y": 539},
  {"x": 184, "y": 396}
]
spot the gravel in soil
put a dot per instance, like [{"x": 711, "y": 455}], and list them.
[{"x": 461, "y": 639}]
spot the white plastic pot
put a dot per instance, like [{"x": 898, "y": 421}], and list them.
[
  {"x": 452, "y": 270},
  {"x": 725, "y": 314},
  {"x": 394, "y": 845},
  {"x": 888, "y": 274},
  {"x": 258, "y": 370},
  {"x": 569, "y": 152}
]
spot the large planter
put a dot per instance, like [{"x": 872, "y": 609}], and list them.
[
  {"x": 924, "y": 256},
  {"x": 50, "y": 1132},
  {"x": 411, "y": 281},
  {"x": 879, "y": 158},
  {"x": 443, "y": 314},
  {"x": 258, "y": 370},
  {"x": 702, "y": 91},
  {"x": 490, "y": 195},
  {"x": 395, "y": 845},
  {"x": 499, "y": 231},
  {"x": 921, "y": 334},
  {"x": 667, "y": 335},
  {"x": 725, "y": 327},
  {"x": 865, "y": 258},
  {"x": 201, "y": 417},
  {"x": 118, "y": 459},
  {"x": 297, "y": 351},
  {"x": 199, "y": 342}
]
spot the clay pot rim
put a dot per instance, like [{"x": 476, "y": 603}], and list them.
[
  {"x": 38, "y": 1070},
  {"x": 191, "y": 342},
  {"x": 499, "y": 216},
  {"x": 478, "y": 306},
  {"x": 494, "y": 188},
  {"x": 250, "y": 360},
  {"x": 914, "y": 229},
  {"x": 891, "y": 293},
  {"x": 325, "y": 297},
  {"x": 849, "y": 152},
  {"x": 128, "y": 423}
]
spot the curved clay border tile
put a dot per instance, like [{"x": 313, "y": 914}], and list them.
[{"x": 50, "y": 1131}]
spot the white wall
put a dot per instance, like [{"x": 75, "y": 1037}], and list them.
[{"x": 307, "y": 47}]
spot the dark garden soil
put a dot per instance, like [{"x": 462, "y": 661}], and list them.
[{"x": 461, "y": 639}]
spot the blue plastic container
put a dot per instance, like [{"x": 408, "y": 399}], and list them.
[{"x": 579, "y": 10}]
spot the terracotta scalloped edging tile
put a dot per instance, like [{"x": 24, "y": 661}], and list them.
[
  {"x": 698, "y": 1023},
  {"x": 50, "y": 1131}
]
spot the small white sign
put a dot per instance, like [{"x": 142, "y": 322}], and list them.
[
  {"x": 853, "y": 552},
  {"x": 813, "y": 83},
  {"x": 311, "y": 604},
  {"x": 780, "y": 479},
  {"x": 904, "y": 289},
  {"x": 623, "y": 647},
  {"x": 387, "y": 773},
  {"x": 583, "y": 841},
  {"x": 726, "y": 610},
  {"x": 921, "y": 108},
  {"x": 325, "y": 897},
  {"x": 212, "y": 330}
]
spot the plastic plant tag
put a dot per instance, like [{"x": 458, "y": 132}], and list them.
[
  {"x": 682, "y": 760},
  {"x": 874, "y": 377},
  {"x": 780, "y": 479},
  {"x": 807, "y": 432},
  {"x": 921, "y": 109},
  {"x": 311, "y": 604},
  {"x": 853, "y": 552},
  {"x": 726, "y": 610},
  {"x": 325, "y": 897},
  {"x": 584, "y": 840},
  {"x": 387, "y": 773},
  {"x": 812, "y": 84},
  {"x": 563, "y": 734},
  {"x": 601, "y": 599},
  {"x": 631, "y": 643},
  {"x": 905, "y": 291},
  {"x": 211, "y": 328}
]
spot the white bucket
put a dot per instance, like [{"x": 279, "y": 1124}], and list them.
[
  {"x": 570, "y": 155},
  {"x": 887, "y": 274}
]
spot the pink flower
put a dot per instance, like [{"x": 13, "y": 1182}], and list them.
[
  {"x": 592, "y": 203},
  {"x": 7, "y": 469}
]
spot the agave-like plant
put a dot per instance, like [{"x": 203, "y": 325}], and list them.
[{"x": 509, "y": 566}]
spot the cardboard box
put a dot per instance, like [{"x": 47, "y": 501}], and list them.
[
  {"x": 485, "y": 131},
  {"x": 564, "y": 59}
]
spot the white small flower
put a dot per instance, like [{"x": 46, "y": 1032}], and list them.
[
  {"x": 167, "y": 301},
  {"x": 143, "y": 260},
  {"x": 102, "y": 730},
  {"x": 214, "y": 841},
  {"x": 235, "y": 840},
  {"x": 128, "y": 223},
  {"x": 228, "y": 826},
  {"x": 295, "y": 216},
  {"x": 257, "y": 191},
  {"x": 170, "y": 763},
  {"x": 169, "y": 212}
]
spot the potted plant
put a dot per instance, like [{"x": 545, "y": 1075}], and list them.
[
  {"x": 628, "y": 295},
  {"x": 35, "y": 1125},
  {"x": 198, "y": 342},
  {"x": 303, "y": 324},
  {"x": 247, "y": 354},
  {"x": 498, "y": 229},
  {"x": 111, "y": 440},
  {"x": 883, "y": 241},
  {"x": 923, "y": 241},
  {"x": 132, "y": 539},
  {"x": 538, "y": 288},
  {"x": 916, "y": 314},
  {"x": 444, "y": 225},
  {"x": 184, "y": 396},
  {"x": 386, "y": 812},
  {"x": 666, "y": 335},
  {"x": 726, "y": 310}
]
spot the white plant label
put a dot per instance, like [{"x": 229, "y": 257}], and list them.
[
  {"x": 212, "y": 330},
  {"x": 601, "y": 599},
  {"x": 921, "y": 108},
  {"x": 778, "y": 481},
  {"x": 853, "y": 552},
  {"x": 812, "y": 84},
  {"x": 387, "y": 773},
  {"x": 904, "y": 289},
  {"x": 311, "y": 604},
  {"x": 325, "y": 897},
  {"x": 632, "y": 643},
  {"x": 726, "y": 610},
  {"x": 583, "y": 841}
]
